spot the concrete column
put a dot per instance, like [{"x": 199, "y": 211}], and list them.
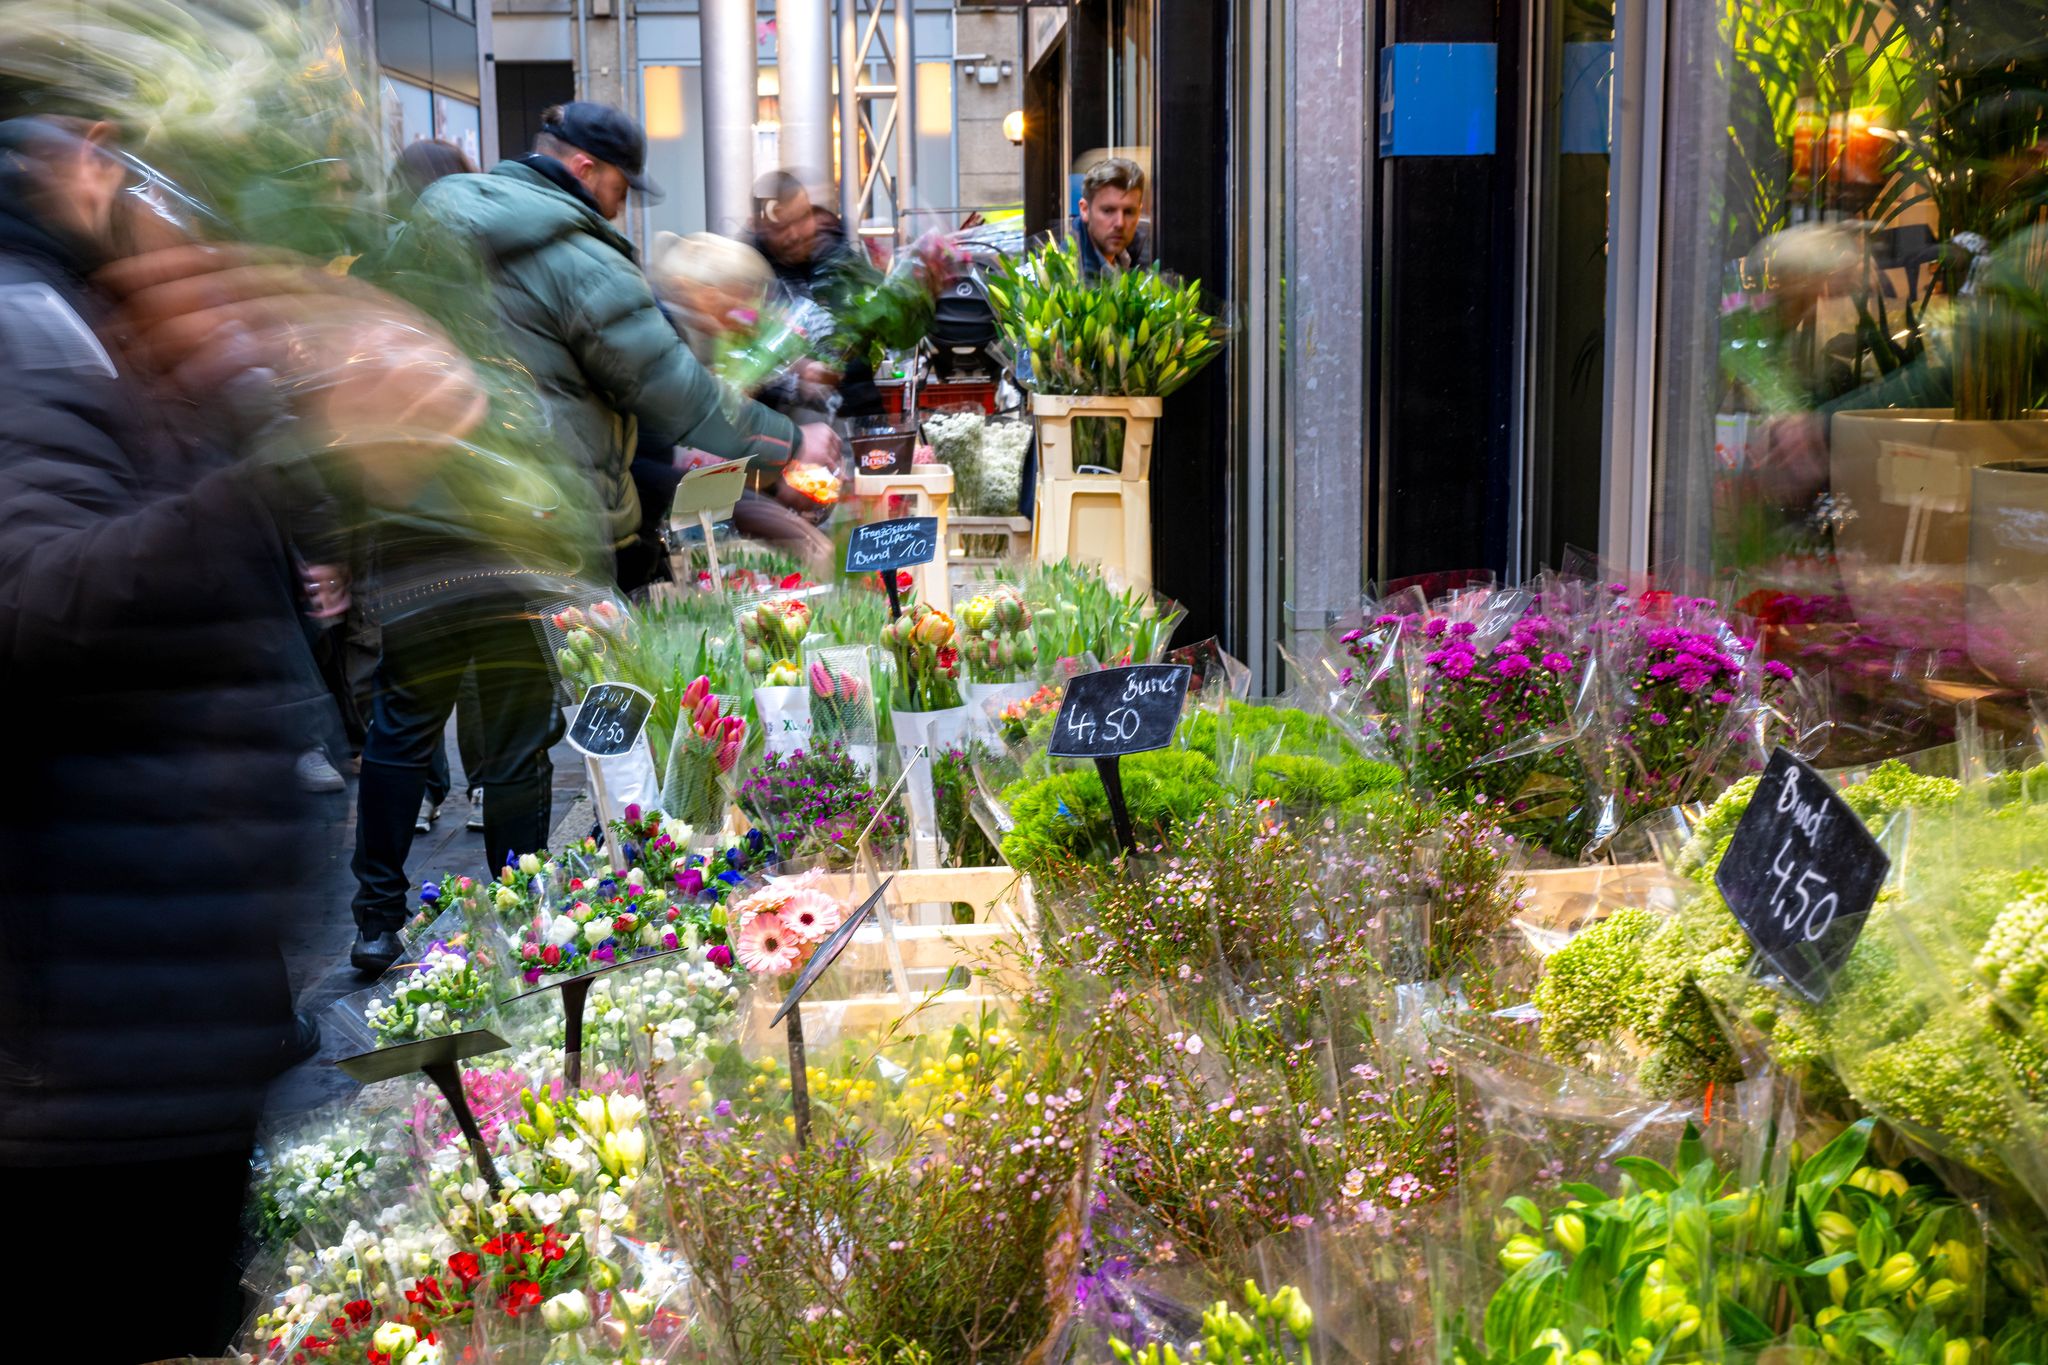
[
  {"x": 803, "y": 48},
  {"x": 1329, "y": 307},
  {"x": 730, "y": 99},
  {"x": 850, "y": 77},
  {"x": 906, "y": 119}
]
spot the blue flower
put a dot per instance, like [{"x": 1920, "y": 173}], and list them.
[
  {"x": 755, "y": 840},
  {"x": 632, "y": 852},
  {"x": 730, "y": 877},
  {"x": 430, "y": 892},
  {"x": 733, "y": 857}
]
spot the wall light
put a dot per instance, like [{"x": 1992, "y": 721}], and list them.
[{"x": 1013, "y": 126}]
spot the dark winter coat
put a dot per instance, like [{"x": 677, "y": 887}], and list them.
[
  {"x": 150, "y": 829},
  {"x": 583, "y": 320}
]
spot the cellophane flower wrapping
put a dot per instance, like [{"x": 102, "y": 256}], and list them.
[
  {"x": 703, "y": 758},
  {"x": 1239, "y": 997},
  {"x": 842, "y": 683},
  {"x": 815, "y": 806},
  {"x": 935, "y": 1209}
]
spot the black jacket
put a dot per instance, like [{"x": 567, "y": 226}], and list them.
[{"x": 151, "y": 833}]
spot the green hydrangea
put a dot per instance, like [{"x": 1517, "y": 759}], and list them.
[
  {"x": 1894, "y": 787},
  {"x": 1712, "y": 831},
  {"x": 1586, "y": 982},
  {"x": 2014, "y": 958},
  {"x": 1067, "y": 815}
]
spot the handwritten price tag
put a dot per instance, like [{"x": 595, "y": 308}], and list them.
[
  {"x": 880, "y": 546},
  {"x": 1118, "y": 711},
  {"x": 1801, "y": 874},
  {"x": 610, "y": 720}
]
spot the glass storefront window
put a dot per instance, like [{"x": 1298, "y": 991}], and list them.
[
  {"x": 672, "y": 98},
  {"x": 460, "y": 122},
  {"x": 1853, "y": 345},
  {"x": 408, "y": 114}
]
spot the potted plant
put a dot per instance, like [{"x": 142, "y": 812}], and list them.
[{"x": 1098, "y": 356}]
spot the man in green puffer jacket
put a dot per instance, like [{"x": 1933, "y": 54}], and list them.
[{"x": 580, "y": 316}]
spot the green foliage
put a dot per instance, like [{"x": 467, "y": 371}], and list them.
[
  {"x": 1067, "y": 814},
  {"x": 1853, "y": 1262},
  {"x": 1125, "y": 332},
  {"x": 1934, "y": 1022}
]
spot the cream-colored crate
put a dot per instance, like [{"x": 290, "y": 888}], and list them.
[
  {"x": 1560, "y": 900},
  {"x": 929, "y": 491},
  {"x": 1102, "y": 518},
  {"x": 994, "y": 950}
]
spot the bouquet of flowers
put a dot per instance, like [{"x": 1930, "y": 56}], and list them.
[
  {"x": 997, "y": 643},
  {"x": 1022, "y": 717},
  {"x": 925, "y": 644},
  {"x": 816, "y": 803},
  {"x": 1480, "y": 707},
  {"x": 440, "y": 993},
  {"x": 1077, "y": 614},
  {"x": 952, "y": 1170},
  {"x": 778, "y": 927},
  {"x": 773, "y": 631},
  {"x": 706, "y": 747},
  {"x": 1122, "y": 332},
  {"x": 1678, "y": 685},
  {"x": 607, "y": 922}
]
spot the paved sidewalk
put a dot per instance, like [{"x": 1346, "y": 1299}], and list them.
[{"x": 317, "y": 941}]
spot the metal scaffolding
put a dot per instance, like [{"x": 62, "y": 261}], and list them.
[{"x": 877, "y": 117}]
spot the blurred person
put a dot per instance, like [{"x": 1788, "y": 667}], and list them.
[
  {"x": 422, "y": 162},
  {"x": 582, "y": 318},
  {"x": 571, "y": 311},
  {"x": 149, "y": 612},
  {"x": 1108, "y": 228},
  {"x": 805, "y": 245},
  {"x": 713, "y": 288}
]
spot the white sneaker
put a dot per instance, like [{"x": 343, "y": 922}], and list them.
[
  {"x": 429, "y": 813},
  {"x": 476, "y": 809},
  {"x": 316, "y": 774}
]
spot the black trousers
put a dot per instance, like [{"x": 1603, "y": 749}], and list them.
[
  {"x": 184, "y": 1303},
  {"x": 469, "y": 744},
  {"x": 418, "y": 679}
]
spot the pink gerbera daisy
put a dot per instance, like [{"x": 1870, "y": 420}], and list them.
[
  {"x": 811, "y": 915},
  {"x": 767, "y": 947}
]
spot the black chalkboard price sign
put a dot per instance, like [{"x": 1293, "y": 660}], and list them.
[
  {"x": 792, "y": 1009},
  {"x": 1116, "y": 711},
  {"x": 883, "y": 547},
  {"x": 1801, "y": 874},
  {"x": 611, "y": 719}
]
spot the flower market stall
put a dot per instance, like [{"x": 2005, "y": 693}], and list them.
[{"x": 1263, "y": 1039}]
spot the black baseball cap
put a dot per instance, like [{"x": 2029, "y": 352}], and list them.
[{"x": 610, "y": 136}]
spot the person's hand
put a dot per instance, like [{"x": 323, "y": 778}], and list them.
[
  {"x": 817, "y": 443},
  {"x": 326, "y": 588},
  {"x": 816, "y": 373},
  {"x": 380, "y": 384}
]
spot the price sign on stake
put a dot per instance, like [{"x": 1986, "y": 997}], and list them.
[
  {"x": 792, "y": 1008},
  {"x": 610, "y": 720},
  {"x": 883, "y": 547},
  {"x": 438, "y": 1058},
  {"x": 709, "y": 493},
  {"x": 1116, "y": 711},
  {"x": 1801, "y": 874}
]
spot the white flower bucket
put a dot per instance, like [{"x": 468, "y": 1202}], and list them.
[
  {"x": 927, "y": 734},
  {"x": 785, "y": 718}
]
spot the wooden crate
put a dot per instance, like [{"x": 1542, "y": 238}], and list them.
[
  {"x": 1562, "y": 899},
  {"x": 993, "y": 949}
]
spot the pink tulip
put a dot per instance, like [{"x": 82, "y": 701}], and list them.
[
  {"x": 728, "y": 754},
  {"x": 696, "y": 692},
  {"x": 821, "y": 681}
]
